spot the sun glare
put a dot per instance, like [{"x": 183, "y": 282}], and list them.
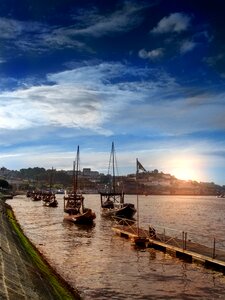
[
  {"x": 186, "y": 169},
  {"x": 185, "y": 174}
]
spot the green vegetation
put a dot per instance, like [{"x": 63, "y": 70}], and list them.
[
  {"x": 42, "y": 178},
  {"x": 4, "y": 185},
  {"x": 150, "y": 182},
  {"x": 59, "y": 288}
]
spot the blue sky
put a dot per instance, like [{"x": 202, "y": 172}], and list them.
[{"x": 148, "y": 75}]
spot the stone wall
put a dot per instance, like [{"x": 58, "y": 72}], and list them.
[{"x": 24, "y": 274}]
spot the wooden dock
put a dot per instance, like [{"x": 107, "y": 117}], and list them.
[{"x": 181, "y": 248}]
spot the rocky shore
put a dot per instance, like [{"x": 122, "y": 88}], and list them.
[{"x": 24, "y": 273}]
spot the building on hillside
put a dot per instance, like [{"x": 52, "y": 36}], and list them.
[
  {"x": 89, "y": 174},
  {"x": 4, "y": 172}
]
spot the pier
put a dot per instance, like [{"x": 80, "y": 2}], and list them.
[{"x": 178, "y": 246}]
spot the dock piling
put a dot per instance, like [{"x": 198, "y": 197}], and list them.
[
  {"x": 180, "y": 247},
  {"x": 214, "y": 248}
]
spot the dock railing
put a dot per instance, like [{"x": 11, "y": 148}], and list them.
[
  {"x": 202, "y": 244},
  {"x": 212, "y": 246},
  {"x": 169, "y": 236},
  {"x": 130, "y": 227}
]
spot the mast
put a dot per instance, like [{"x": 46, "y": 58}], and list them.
[
  {"x": 75, "y": 168},
  {"x": 113, "y": 165},
  {"x": 74, "y": 181},
  {"x": 111, "y": 168},
  {"x": 51, "y": 180},
  {"x": 137, "y": 197}
]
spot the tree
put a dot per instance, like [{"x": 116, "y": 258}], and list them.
[{"x": 4, "y": 184}]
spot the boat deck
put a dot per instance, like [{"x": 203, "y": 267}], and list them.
[{"x": 179, "y": 247}]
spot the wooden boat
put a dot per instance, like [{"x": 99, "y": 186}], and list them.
[
  {"x": 48, "y": 197},
  {"x": 74, "y": 207},
  {"x": 221, "y": 196},
  {"x": 36, "y": 196},
  {"x": 112, "y": 201},
  {"x": 28, "y": 194}
]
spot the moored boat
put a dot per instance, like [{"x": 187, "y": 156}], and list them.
[
  {"x": 28, "y": 194},
  {"x": 112, "y": 201},
  {"x": 49, "y": 199},
  {"x": 36, "y": 196},
  {"x": 74, "y": 207}
]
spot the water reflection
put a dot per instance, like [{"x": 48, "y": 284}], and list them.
[{"x": 102, "y": 265}]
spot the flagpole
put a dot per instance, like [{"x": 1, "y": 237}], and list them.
[{"x": 137, "y": 197}]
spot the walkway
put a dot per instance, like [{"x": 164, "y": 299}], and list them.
[{"x": 179, "y": 247}]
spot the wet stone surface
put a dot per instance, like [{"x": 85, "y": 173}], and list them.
[{"x": 19, "y": 279}]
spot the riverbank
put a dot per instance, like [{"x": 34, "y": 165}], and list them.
[{"x": 24, "y": 273}]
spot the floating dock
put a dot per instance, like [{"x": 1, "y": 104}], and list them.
[{"x": 181, "y": 248}]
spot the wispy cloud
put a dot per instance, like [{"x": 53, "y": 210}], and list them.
[
  {"x": 96, "y": 101},
  {"x": 79, "y": 98},
  {"x": 152, "y": 55},
  {"x": 24, "y": 35},
  {"x": 12, "y": 29},
  {"x": 39, "y": 37},
  {"x": 95, "y": 97},
  {"x": 187, "y": 46},
  {"x": 214, "y": 60},
  {"x": 121, "y": 20},
  {"x": 175, "y": 22}
]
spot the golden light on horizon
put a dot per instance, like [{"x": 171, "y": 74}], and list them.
[{"x": 186, "y": 168}]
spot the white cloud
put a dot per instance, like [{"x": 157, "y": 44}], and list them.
[
  {"x": 12, "y": 29},
  {"x": 36, "y": 36},
  {"x": 214, "y": 60},
  {"x": 94, "y": 97},
  {"x": 95, "y": 101},
  {"x": 187, "y": 46},
  {"x": 80, "y": 98},
  {"x": 121, "y": 20},
  {"x": 152, "y": 55},
  {"x": 58, "y": 105},
  {"x": 176, "y": 22},
  {"x": 39, "y": 37}
]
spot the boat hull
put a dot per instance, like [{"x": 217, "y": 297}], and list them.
[
  {"x": 81, "y": 218},
  {"x": 51, "y": 203},
  {"x": 126, "y": 211}
]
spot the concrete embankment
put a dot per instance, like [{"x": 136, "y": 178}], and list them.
[{"x": 24, "y": 273}]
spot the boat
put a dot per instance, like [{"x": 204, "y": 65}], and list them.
[
  {"x": 36, "y": 196},
  {"x": 28, "y": 194},
  {"x": 112, "y": 200},
  {"x": 222, "y": 195},
  {"x": 74, "y": 207},
  {"x": 60, "y": 191},
  {"x": 48, "y": 197}
]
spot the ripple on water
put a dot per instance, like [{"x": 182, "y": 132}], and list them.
[{"x": 102, "y": 265}]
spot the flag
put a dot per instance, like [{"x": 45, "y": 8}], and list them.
[{"x": 140, "y": 167}]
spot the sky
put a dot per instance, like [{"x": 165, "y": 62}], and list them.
[{"x": 146, "y": 75}]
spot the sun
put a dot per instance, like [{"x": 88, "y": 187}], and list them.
[
  {"x": 186, "y": 168},
  {"x": 185, "y": 174}
]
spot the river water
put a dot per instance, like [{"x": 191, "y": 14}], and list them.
[{"x": 102, "y": 265}]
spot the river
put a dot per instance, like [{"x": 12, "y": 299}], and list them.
[{"x": 102, "y": 265}]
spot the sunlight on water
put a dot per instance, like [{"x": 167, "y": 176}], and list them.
[{"x": 102, "y": 265}]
